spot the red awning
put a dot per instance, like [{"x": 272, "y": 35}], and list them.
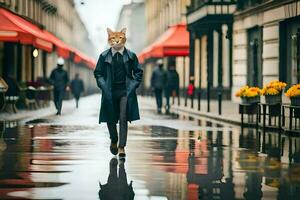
[
  {"x": 80, "y": 57},
  {"x": 174, "y": 42},
  {"x": 62, "y": 49},
  {"x": 14, "y": 28}
]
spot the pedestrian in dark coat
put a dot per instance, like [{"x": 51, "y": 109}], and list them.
[
  {"x": 59, "y": 79},
  {"x": 158, "y": 83},
  {"x": 77, "y": 87},
  {"x": 172, "y": 86},
  {"x": 118, "y": 74}
]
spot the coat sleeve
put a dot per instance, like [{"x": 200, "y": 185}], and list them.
[
  {"x": 99, "y": 72},
  {"x": 137, "y": 71}
]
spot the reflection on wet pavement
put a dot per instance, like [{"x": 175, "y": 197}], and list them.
[{"x": 44, "y": 160}]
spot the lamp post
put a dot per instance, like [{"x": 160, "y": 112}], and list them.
[{"x": 35, "y": 54}]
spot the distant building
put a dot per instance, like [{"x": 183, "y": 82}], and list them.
[
  {"x": 132, "y": 17},
  {"x": 160, "y": 15}
]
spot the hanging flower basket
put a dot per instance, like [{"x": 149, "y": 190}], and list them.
[
  {"x": 249, "y": 95},
  {"x": 273, "y": 92},
  {"x": 250, "y": 100},
  {"x": 273, "y": 99}
]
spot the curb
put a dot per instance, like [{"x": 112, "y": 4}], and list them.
[{"x": 176, "y": 109}]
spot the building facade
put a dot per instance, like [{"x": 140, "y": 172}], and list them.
[
  {"x": 266, "y": 35},
  {"x": 210, "y": 26},
  {"x": 160, "y": 15},
  {"x": 57, "y": 17},
  {"x": 132, "y": 17}
]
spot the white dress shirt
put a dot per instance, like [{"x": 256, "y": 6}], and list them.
[{"x": 114, "y": 51}]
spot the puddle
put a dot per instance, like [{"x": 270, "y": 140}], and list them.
[{"x": 217, "y": 161}]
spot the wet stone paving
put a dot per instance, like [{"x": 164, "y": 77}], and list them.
[{"x": 173, "y": 157}]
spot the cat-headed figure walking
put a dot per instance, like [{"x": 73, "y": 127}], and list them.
[{"x": 118, "y": 75}]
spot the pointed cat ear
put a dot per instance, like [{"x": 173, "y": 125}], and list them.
[
  {"x": 109, "y": 31},
  {"x": 124, "y": 30}
]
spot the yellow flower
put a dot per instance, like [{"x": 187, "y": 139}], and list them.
[
  {"x": 247, "y": 91},
  {"x": 273, "y": 88},
  {"x": 293, "y": 91}
]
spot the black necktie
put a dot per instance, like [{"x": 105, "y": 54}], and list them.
[{"x": 118, "y": 56}]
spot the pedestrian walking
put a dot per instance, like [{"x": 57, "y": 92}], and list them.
[
  {"x": 59, "y": 79},
  {"x": 190, "y": 92},
  {"x": 172, "y": 86},
  {"x": 158, "y": 83},
  {"x": 118, "y": 75},
  {"x": 77, "y": 87}
]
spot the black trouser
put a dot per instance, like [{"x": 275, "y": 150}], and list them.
[
  {"x": 167, "y": 95},
  {"x": 58, "y": 98},
  {"x": 158, "y": 96},
  {"x": 120, "y": 107},
  {"x": 77, "y": 97}
]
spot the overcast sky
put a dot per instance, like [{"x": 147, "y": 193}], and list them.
[{"x": 97, "y": 16}]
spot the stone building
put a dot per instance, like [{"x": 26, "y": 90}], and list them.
[{"x": 266, "y": 35}]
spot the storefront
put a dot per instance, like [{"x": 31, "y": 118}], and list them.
[
  {"x": 173, "y": 47},
  {"x": 266, "y": 43},
  {"x": 28, "y": 52}
]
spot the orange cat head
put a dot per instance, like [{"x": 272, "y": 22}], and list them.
[{"x": 116, "y": 39}]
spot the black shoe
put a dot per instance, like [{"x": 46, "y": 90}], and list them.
[
  {"x": 122, "y": 155},
  {"x": 114, "y": 149},
  {"x": 58, "y": 113}
]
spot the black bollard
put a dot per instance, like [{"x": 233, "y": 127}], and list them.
[
  {"x": 192, "y": 101},
  {"x": 220, "y": 102},
  {"x": 185, "y": 99},
  {"x": 178, "y": 96},
  {"x": 199, "y": 100}
]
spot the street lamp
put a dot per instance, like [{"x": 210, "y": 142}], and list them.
[{"x": 35, "y": 53}]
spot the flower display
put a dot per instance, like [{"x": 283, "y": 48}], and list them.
[
  {"x": 293, "y": 91},
  {"x": 248, "y": 92},
  {"x": 273, "y": 88}
]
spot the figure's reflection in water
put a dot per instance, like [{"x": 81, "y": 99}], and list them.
[{"x": 116, "y": 187}]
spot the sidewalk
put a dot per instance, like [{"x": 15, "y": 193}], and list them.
[
  {"x": 27, "y": 115},
  {"x": 230, "y": 110}
]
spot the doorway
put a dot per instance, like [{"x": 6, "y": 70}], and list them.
[{"x": 254, "y": 70}]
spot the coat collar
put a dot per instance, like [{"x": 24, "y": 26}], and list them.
[{"x": 127, "y": 55}]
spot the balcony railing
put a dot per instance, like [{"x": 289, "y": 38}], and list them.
[
  {"x": 245, "y": 4},
  {"x": 197, "y": 4}
]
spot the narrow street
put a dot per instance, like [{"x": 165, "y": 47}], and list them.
[{"x": 168, "y": 157}]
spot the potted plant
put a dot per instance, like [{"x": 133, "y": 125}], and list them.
[
  {"x": 294, "y": 94},
  {"x": 249, "y": 95},
  {"x": 273, "y": 92}
]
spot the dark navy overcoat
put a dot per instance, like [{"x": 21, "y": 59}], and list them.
[{"x": 104, "y": 73}]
